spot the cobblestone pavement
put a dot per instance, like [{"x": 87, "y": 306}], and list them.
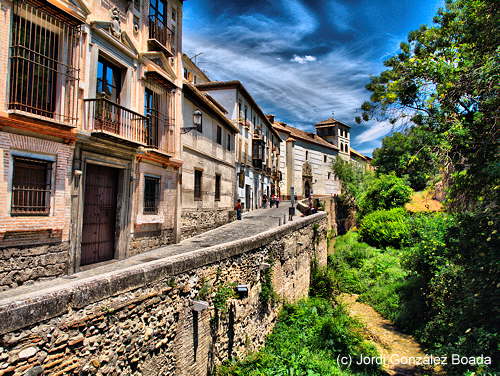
[{"x": 253, "y": 222}]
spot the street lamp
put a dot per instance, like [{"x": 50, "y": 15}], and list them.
[{"x": 197, "y": 122}]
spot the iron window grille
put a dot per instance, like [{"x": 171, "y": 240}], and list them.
[
  {"x": 44, "y": 63},
  {"x": 151, "y": 194},
  {"x": 31, "y": 186}
]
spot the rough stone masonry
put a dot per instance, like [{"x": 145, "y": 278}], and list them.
[{"x": 140, "y": 321}]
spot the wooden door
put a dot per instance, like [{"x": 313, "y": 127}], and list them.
[{"x": 99, "y": 214}]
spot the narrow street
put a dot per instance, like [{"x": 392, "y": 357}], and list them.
[{"x": 252, "y": 223}]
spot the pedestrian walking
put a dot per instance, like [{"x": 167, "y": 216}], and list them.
[
  {"x": 273, "y": 201},
  {"x": 264, "y": 201},
  {"x": 237, "y": 207},
  {"x": 277, "y": 201}
]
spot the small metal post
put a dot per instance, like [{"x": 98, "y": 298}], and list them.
[
  {"x": 284, "y": 219},
  {"x": 279, "y": 221}
]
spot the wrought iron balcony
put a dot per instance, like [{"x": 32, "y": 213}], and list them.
[
  {"x": 161, "y": 35},
  {"x": 44, "y": 64},
  {"x": 103, "y": 115},
  {"x": 159, "y": 124}
]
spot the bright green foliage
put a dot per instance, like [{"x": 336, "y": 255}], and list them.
[
  {"x": 412, "y": 155},
  {"x": 323, "y": 283},
  {"x": 354, "y": 180},
  {"x": 445, "y": 79},
  {"x": 455, "y": 262},
  {"x": 222, "y": 294},
  {"x": 306, "y": 341},
  {"x": 384, "y": 228},
  {"x": 374, "y": 274},
  {"x": 384, "y": 192},
  {"x": 268, "y": 297}
]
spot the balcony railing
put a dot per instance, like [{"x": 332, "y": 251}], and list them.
[
  {"x": 158, "y": 122},
  {"x": 161, "y": 33},
  {"x": 44, "y": 64},
  {"x": 106, "y": 116}
]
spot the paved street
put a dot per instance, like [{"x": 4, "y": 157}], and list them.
[{"x": 252, "y": 223}]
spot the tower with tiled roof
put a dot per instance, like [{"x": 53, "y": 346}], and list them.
[{"x": 336, "y": 133}]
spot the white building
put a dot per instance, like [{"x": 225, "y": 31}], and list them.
[
  {"x": 306, "y": 163},
  {"x": 257, "y": 144}
]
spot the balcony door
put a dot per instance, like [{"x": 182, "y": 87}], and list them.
[{"x": 107, "y": 114}]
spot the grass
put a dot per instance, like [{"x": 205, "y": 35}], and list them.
[
  {"x": 376, "y": 275},
  {"x": 306, "y": 341}
]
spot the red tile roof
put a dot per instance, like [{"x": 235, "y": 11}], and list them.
[{"x": 296, "y": 133}]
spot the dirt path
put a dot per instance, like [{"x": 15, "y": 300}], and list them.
[{"x": 394, "y": 347}]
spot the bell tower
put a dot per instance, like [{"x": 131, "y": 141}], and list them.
[{"x": 336, "y": 133}]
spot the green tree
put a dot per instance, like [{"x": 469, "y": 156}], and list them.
[
  {"x": 445, "y": 78},
  {"x": 354, "y": 180},
  {"x": 384, "y": 192},
  {"x": 411, "y": 154}
]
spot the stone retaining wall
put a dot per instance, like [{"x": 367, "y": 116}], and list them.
[
  {"x": 21, "y": 265},
  {"x": 197, "y": 221},
  {"x": 140, "y": 320}
]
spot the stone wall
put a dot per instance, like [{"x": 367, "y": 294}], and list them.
[
  {"x": 21, "y": 265},
  {"x": 140, "y": 320},
  {"x": 197, "y": 221},
  {"x": 149, "y": 236}
]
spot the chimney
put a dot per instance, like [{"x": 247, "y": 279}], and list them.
[{"x": 270, "y": 118}]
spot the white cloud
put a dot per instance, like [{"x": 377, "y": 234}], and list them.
[
  {"x": 303, "y": 60},
  {"x": 374, "y": 133}
]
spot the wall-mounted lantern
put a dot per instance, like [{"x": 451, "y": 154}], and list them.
[
  {"x": 242, "y": 291},
  {"x": 197, "y": 123}
]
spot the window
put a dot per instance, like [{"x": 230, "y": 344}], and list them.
[
  {"x": 197, "y": 184},
  {"x": 151, "y": 194},
  {"x": 324, "y": 158},
  {"x": 219, "y": 135},
  {"x": 307, "y": 155},
  {"x": 246, "y": 114},
  {"x": 240, "y": 111},
  {"x": 44, "y": 57},
  {"x": 217, "y": 187},
  {"x": 329, "y": 175},
  {"x": 108, "y": 80},
  {"x": 31, "y": 186},
  {"x": 158, "y": 10},
  {"x": 186, "y": 75},
  {"x": 174, "y": 14},
  {"x": 228, "y": 145}
]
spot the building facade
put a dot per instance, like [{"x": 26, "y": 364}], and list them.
[
  {"x": 90, "y": 131},
  {"x": 306, "y": 164},
  {"x": 209, "y": 170},
  {"x": 336, "y": 133},
  {"x": 257, "y": 144}
]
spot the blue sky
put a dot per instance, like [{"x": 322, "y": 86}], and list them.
[{"x": 304, "y": 59}]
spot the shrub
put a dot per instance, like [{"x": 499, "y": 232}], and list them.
[
  {"x": 384, "y": 228},
  {"x": 306, "y": 341},
  {"x": 323, "y": 283},
  {"x": 384, "y": 192}
]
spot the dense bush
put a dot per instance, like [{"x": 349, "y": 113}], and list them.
[
  {"x": 455, "y": 262},
  {"x": 384, "y": 192},
  {"x": 374, "y": 274},
  {"x": 306, "y": 341},
  {"x": 323, "y": 282},
  {"x": 383, "y": 228}
]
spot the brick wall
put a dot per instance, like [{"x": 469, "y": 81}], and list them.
[{"x": 34, "y": 248}]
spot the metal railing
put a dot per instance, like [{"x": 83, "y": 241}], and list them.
[
  {"x": 105, "y": 115},
  {"x": 161, "y": 32},
  {"x": 158, "y": 125},
  {"x": 44, "y": 63}
]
